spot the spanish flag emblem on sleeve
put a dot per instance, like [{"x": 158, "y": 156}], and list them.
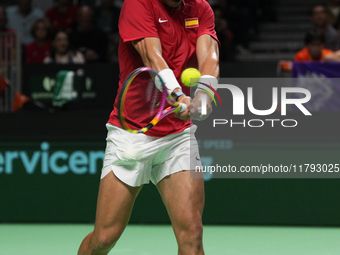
[{"x": 191, "y": 23}]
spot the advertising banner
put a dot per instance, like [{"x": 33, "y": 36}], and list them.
[{"x": 323, "y": 82}]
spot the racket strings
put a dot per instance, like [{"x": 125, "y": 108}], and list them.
[{"x": 156, "y": 105}]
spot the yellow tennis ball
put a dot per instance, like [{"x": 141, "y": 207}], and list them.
[{"x": 190, "y": 77}]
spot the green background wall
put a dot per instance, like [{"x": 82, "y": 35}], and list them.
[{"x": 70, "y": 197}]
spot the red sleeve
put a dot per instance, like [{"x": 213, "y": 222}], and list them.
[
  {"x": 207, "y": 22},
  {"x": 136, "y": 20}
]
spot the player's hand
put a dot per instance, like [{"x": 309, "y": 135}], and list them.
[
  {"x": 196, "y": 106},
  {"x": 186, "y": 114}
]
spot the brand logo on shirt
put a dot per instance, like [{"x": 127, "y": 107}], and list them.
[
  {"x": 191, "y": 23},
  {"x": 162, "y": 21}
]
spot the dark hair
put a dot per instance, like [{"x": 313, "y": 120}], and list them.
[
  {"x": 312, "y": 36},
  {"x": 54, "y": 36},
  {"x": 45, "y": 22}
]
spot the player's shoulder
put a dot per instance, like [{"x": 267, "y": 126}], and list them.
[
  {"x": 132, "y": 7},
  {"x": 200, "y": 7},
  {"x": 201, "y": 4},
  {"x": 143, "y": 2}
]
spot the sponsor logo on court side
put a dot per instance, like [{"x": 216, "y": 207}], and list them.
[{"x": 49, "y": 161}]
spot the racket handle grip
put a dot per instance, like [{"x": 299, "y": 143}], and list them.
[{"x": 183, "y": 107}]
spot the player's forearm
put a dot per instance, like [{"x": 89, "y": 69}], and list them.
[
  {"x": 152, "y": 57},
  {"x": 156, "y": 61},
  {"x": 208, "y": 56},
  {"x": 208, "y": 63},
  {"x": 150, "y": 50},
  {"x": 210, "y": 67}
]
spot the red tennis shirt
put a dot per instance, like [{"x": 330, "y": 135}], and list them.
[{"x": 178, "y": 31}]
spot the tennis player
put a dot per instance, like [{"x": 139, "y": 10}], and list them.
[{"x": 168, "y": 36}]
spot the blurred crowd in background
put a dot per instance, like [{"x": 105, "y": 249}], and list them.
[{"x": 79, "y": 31}]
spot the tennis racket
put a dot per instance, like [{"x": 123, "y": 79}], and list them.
[{"x": 161, "y": 113}]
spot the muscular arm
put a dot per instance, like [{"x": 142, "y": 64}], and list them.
[
  {"x": 208, "y": 63},
  {"x": 150, "y": 50},
  {"x": 208, "y": 56}
]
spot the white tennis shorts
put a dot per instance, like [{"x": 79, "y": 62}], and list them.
[{"x": 136, "y": 159}]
